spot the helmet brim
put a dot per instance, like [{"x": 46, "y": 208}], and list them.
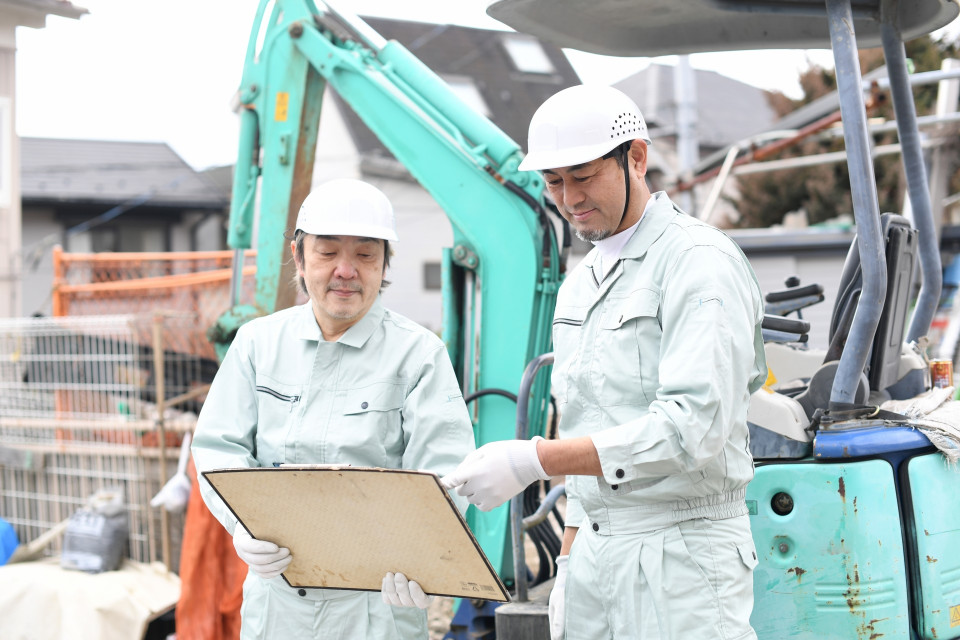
[
  {"x": 556, "y": 159},
  {"x": 348, "y": 228}
]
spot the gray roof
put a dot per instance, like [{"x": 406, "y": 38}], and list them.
[
  {"x": 97, "y": 171},
  {"x": 479, "y": 54},
  {"x": 727, "y": 109}
]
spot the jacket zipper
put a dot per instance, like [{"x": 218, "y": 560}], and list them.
[{"x": 280, "y": 396}]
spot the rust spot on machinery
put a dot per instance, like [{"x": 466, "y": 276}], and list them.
[
  {"x": 852, "y": 594},
  {"x": 842, "y": 490},
  {"x": 854, "y": 504},
  {"x": 931, "y": 560},
  {"x": 869, "y": 628},
  {"x": 797, "y": 571}
]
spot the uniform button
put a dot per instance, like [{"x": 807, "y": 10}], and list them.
[
  {"x": 614, "y": 486},
  {"x": 619, "y": 473},
  {"x": 596, "y": 527},
  {"x": 302, "y": 592},
  {"x": 364, "y": 405}
]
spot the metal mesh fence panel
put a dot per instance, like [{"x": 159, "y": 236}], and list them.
[{"x": 79, "y": 412}]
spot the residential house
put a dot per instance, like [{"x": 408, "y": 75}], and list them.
[
  {"x": 91, "y": 196},
  {"x": 13, "y": 14}
]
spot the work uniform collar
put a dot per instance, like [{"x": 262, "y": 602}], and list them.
[
  {"x": 356, "y": 336},
  {"x": 654, "y": 222}
]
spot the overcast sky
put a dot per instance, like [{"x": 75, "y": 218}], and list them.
[{"x": 166, "y": 71}]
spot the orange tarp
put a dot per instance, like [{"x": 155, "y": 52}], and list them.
[{"x": 211, "y": 575}]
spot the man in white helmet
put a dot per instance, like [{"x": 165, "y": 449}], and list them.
[
  {"x": 338, "y": 380},
  {"x": 657, "y": 347}
]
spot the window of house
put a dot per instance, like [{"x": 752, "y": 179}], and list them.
[
  {"x": 467, "y": 91},
  {"x": 527, "y": 54},
  {"x": 431, "y": 276}
]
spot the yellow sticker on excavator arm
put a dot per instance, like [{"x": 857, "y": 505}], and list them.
[
  {"x": 955, "y": 616},
  {"x": 280, "y": 110}
]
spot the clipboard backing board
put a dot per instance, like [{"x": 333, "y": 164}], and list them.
[{"x": 346, "y": 527}]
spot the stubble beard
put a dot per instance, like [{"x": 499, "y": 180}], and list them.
[{"x": 593, "y": 235}]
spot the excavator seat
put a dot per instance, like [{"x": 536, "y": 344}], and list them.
[
  {"x": 883, "y": 365},
  {"x": 780, "y": 422}
]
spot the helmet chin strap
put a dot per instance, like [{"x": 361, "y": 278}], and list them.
[{"x": 624, "y": 154}]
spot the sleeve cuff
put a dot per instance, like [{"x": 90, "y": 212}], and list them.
[{"x": 615, "y": 455}]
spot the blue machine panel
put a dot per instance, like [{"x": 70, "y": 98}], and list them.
[
  {"x": 867, "y": 441},
  {"x": 833, "y": 566},
  {"x": 933, "y": 487}
]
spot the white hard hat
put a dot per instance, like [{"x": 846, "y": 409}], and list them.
[
  {"x": 580, "y": 124},
  {"x": 346, "y": 207}
]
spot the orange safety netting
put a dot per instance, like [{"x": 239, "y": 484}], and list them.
[{"x": 196, "y": 282}]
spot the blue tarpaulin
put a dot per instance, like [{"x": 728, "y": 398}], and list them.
[{"x": 8, "y": 541}]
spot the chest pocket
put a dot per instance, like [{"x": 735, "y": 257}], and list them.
[
  {"x": 277, "y": 407},
  {"x": 371, "y": 430},
  {"x": 567, "y": 331},
  {"x": 627, "y": 352}
]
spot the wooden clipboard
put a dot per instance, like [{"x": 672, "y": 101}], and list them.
[{"x": 346, "y": 527}]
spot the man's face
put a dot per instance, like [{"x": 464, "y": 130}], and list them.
[
  {"x": 343, "y": 275},
  {"x": 591, "y": 195}
]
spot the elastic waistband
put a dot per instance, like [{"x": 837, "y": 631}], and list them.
[{"x": 658, "y": 515}]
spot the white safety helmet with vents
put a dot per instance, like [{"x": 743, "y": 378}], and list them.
[
  {"x": 347, "y": 207},
  {"x": 580, "y": 124}
]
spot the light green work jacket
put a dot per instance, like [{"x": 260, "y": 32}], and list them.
[
  {"x": 383, "y": 395},
  {"x": 656, "y": 364}
]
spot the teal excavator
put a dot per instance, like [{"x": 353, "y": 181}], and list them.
[{"x": 855, "y": 513}]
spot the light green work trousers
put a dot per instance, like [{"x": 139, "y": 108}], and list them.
[
  {"x": 277, "y": 611},
  {"x": 693, "y": 580}
]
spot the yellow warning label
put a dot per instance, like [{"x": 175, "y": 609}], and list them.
[
  {"x": 280, "y": 111},
  {"x": 955, "y": 616},
  {"x": 770, "y": 381}
]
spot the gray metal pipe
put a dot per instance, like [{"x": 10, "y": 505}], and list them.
[
  {"x": 866, "y": 208},
  {"x": 545, "y": 507},
  {"x": 516, "y": 502},
  {"x": 916, "y": 172}
]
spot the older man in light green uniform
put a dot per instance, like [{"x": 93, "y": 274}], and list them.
[
  {"x": 657, "y": 348},
  {"x": 339, "y": 380}
]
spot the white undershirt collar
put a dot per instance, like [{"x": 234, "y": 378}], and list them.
[{"x": 610, "y": 248}]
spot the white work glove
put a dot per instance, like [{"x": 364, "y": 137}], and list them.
[
  {"x": 556, "y": 611},
  {"x": 496, "y": 472},
  {"x": 174, "y": 495},
  {"x": 400, "y": 592},
  {"x": 265, "y": 558}
]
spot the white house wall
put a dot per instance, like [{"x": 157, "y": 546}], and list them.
[
  {"x": 10, "y": 300},
  {"x": 424, "y": 230}
]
